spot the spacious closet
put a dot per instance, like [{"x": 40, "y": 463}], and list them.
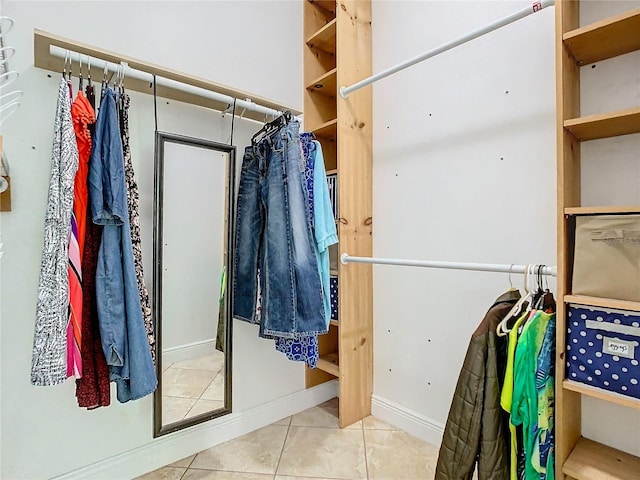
[{"x": 363, "y": 239}]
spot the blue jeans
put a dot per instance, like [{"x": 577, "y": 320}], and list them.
[
  {"x": 273, "y": 239},
  {"x": 124, "y": 339}
]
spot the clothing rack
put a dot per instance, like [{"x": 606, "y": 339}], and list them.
[
  {"x": 165, "y": 82},
  {"x": 51, "y": 50},
  {"x": 477, "y": 267},
  {"x": 535, "y": 7}
]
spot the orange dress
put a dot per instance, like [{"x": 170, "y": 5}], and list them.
[{"x": 82, "y": 115}]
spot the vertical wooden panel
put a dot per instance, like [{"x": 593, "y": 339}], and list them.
[
  {"x": 355, "y": 225},
  {"x": 568, "y": 404}
]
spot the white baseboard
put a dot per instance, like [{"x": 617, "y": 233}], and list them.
[
  {"x": 188, "y": 351},
  {"x": 173, "y": 447},
  {"x": 411, "y": 422}
]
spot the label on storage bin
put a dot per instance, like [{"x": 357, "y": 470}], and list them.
[{"x": 617, "y": 347}]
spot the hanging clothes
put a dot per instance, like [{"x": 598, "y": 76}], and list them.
[
  {"x": 49, "y": 362},
  {"x": 92, "y": 390},
  {"x": 82, "y": 114},
  {"x": 273, "y": 237},
  {"x": 476, "y": 429},
  {"x": 525, "y": 406},
  {"x": 516, "y": 453},
  {"x": 325, "y": 231},
  {"x": 122, "y": 331},
  {"x": 134, "y": 222},
  {"x": 323, "y": 227}
]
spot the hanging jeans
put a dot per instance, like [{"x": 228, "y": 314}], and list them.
[
  {"x": 124, "y": 339},
  {"x": 273, "y": 236}
]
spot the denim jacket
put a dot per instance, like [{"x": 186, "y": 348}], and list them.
[{"x": 124, "y": 339}]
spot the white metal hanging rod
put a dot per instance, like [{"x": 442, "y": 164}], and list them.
[
  {"x": 148, "y": 77},
  {"x": 535, "y": 7},
  {"x": 477, "y": 267}
]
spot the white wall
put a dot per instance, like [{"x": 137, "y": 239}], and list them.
[
  {"x": 44, "y": 433},
  {"x": 465, "y": 170}
]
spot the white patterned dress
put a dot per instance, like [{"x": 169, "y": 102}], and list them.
[{"x": 49, "y": 362}]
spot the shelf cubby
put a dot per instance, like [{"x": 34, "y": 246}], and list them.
[{"x": 605, "y": 39}]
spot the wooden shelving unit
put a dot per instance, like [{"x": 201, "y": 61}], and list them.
[
  {"x": 329, "y": 363},
  {"x": 325, "y": 84},
  {"x": 325, "y": 38},
  {"x": 578, "y": 458},
  {"x": 328, "y": 130},
  {"x": 591, "y": 460},
  {"x": 602, "y": 302},
  {"x": 337, "y": 51},
  {"x": 613, "y": 210},
  {"x": 601, "y": 394},
  {"x": 605, "y": 125},
  {"x": 605, "y": 39}
]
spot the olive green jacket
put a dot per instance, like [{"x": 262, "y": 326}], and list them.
[{"x": 475, "y": 429}]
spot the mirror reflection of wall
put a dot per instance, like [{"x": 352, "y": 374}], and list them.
[{"x": 192, "y": 245}]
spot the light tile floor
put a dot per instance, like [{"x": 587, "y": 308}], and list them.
[
  {"x": 192, "y": 387},
  {"x": 311, "y": 446}
]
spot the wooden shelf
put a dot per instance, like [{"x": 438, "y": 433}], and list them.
[
  {"x": 603, "y": 302},
  {"x": 332, "y": 172},
  {"x": 329, "y": 363},
  {"x": 328, "y": 130},
  {"x": 601, "y": 394},
  {"x": 590, "y": 460},
  {"x": 615, "y": 210},
  {"x": 326, "y": 84},
  {"x": 334, "y": 323},
  {"x": 605, "y": 39},
  {"x": 42, "y": 42},
  {"x": 329, "y": 5},
  {"x": 592, "y": 127},
  {"x": 325, "y": 38}
]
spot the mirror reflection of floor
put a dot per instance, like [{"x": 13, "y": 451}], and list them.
[{"x": 192, "y": 387}]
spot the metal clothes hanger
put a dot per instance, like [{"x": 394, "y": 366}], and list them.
[
  {"x": 80, "y": 79},
  {"x": 89, "y": 71}
]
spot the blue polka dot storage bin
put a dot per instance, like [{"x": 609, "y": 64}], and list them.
[
  {"x": 603, "y": 349},
  {"x": 333, "y": 283}
]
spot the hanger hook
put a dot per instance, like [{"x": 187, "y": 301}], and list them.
[
  {"x": 510, "y": 282},
  {"x": 64, "y": 67},
  {"x": 89, "y": 67}
]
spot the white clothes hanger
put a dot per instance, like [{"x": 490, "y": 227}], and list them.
[{"x": 501, "y": 329}]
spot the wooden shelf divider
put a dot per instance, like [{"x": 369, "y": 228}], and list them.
[
  {"x": 605, "y": 39},
  {"x": 327, "y": 130},
  {"x": 590, "y": 460},
  {"x": 601, "y": 394},
  {"x": 325, "y": 84},
  {"x": 603, "y": 302},
  {"x": 325, "y": 38},
  {"x": 613, "y": 210},
  {"x": 329, "y": 5},
  {"x": 329, "y": 363},
  {"x": 606, "y": 125}
]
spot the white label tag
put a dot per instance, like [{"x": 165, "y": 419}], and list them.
[{"x": 621, "y": 348}]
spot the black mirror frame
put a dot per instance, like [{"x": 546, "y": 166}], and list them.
[{"x": 161, "y": 138}]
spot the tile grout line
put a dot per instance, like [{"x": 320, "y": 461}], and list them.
[
  {"x": 364, "y": 443},
  {"x": 283, "y": 444}
]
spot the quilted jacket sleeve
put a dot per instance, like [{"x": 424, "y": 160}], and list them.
[
  {"x": 493, "y": 462},
  {"x": 462, "y": 433}
]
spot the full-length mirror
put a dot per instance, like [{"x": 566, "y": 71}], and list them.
[{"x": 193, "y": 253}]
